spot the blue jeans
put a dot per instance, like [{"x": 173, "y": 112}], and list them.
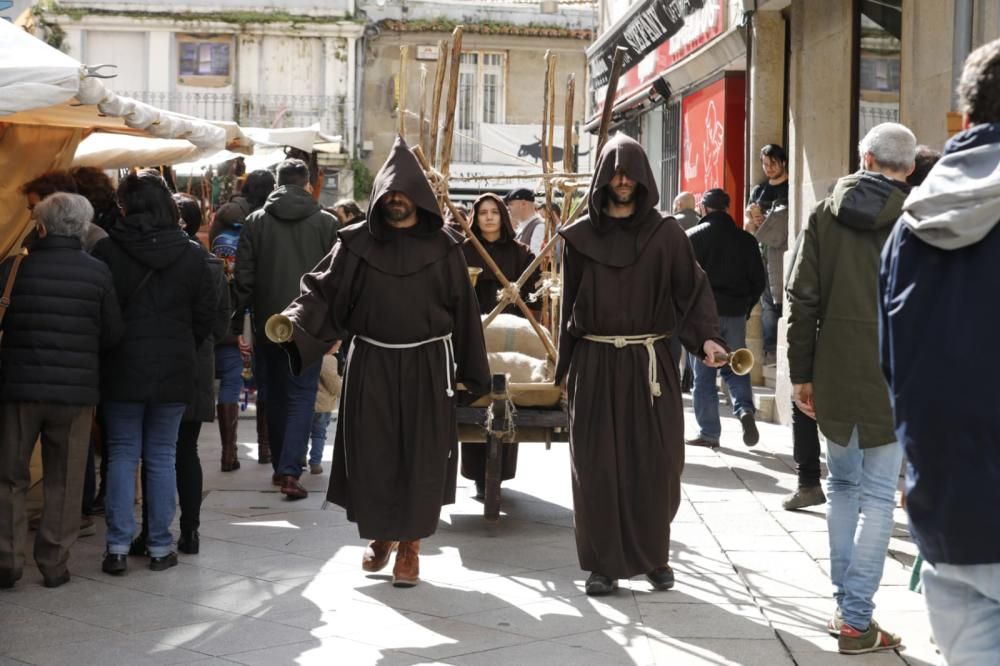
[
  {"x": 706, "y": 395},
  {"x": 290, "y": 403},
  {"x": 229, "y": 370},
  {"x": 963, "y": 603},
  {"x": 861, "y": 489},
  {"x": 321, "y": 421},
  {"x": 135, "y": 429}
]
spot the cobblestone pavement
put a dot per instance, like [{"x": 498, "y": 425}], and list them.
[{"x": 279, "y": 582}]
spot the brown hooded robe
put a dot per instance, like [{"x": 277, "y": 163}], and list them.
[
  {"x": 395, "y": 454},
  {"x": 633, "y": 276},
  {"x": 513, "y": 258}
]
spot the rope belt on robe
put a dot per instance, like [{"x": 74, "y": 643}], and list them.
[
  {"x": 449, "y": 368},
  {"x": 647, "y": 341}
]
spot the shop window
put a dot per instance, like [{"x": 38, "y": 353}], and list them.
[
  {"x": 877, "y": 48},
  {"x": 670, "y": 156},
  {"x": 481, "y": 88},
  {"x": 204, "y": 61}
]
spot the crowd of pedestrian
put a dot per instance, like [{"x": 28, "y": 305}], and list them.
[{"x": 117, "y": 321}]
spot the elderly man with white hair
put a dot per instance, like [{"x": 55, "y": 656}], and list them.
[
  {"x": 833, "y": 358},
  {"x": 63, "y": 312},
  {"x": 685, "y": 211}
]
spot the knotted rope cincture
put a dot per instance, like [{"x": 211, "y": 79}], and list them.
[{"x": 647, "y": 341}]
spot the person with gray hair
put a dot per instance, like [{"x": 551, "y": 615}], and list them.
[
  {"x": 63, "y": 313},
  {"x": 685, "y": 210},
  {"x": 833, "y": 360}
]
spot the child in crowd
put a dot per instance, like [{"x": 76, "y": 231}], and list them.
[{"x": 327, "y": 398}]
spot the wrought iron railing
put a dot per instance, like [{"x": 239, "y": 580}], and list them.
[{"x": 253, "y": 110}]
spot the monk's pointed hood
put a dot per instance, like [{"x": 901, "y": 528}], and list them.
[
  {"x": 611, "y": 241},
  {"x": 507, "y": 233},
  {"x": 400, "y": 251}
]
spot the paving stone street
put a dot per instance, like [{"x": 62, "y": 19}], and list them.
[{"x": 279, "y": 582}]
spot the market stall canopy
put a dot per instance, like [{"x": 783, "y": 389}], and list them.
[
  {"x": 117, "y": 151},
  {"x": 37, "y": 83},
  {"x": 32, "y": 73}
]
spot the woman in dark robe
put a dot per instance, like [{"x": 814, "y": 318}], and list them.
[
  {"x": 402, "y": 295},
  {"x": 631, "y": 282},
  {"x": 492, "y": 226}
]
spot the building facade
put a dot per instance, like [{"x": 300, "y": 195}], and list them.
[
  {"x": 238, "y": 60},
  {"x": 500, "y": 85}
]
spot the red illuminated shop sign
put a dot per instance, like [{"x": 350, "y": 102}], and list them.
[{"x": 698, "y": 28}]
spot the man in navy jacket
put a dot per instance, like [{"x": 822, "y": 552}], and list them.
[{"x": 939, "y": 322}]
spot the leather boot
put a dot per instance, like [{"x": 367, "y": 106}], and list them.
[
  {"x": 263, "y": 439},
  {"x": 228, "y": 419},
  {"x": 377, "y": 555},
  {"x": 406, "y": 571}
]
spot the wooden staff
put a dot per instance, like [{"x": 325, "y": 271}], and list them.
[
  {"x": 461, "y": 219},
  {"x": 569, "y": 150},
  {"x": 544, "y": 138},
  {"x": 404, "y": 51},
  {"x": 449, "y": 118},
  {"x": 609, "y": 97},
  {"x": 436, "y": 102},
  {"x": 550, "y": 119},
  {"x": 423, "y": 107}
]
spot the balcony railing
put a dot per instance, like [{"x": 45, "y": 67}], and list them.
[{"x": 253, "y": 110}]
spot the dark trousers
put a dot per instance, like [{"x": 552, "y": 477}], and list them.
[
  {"x": 805, "y": 447},
  {"x": 64, "y": 430},
  {"x": 291, "y": 401},
  {"x": 189, "y": 478}
]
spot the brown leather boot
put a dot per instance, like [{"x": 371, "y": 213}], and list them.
[
  {"x": 228, "y": 419},
  {"x": 406, "y": 571},
  {"x": 377, "y": 555},
  {"x": 263, "y": 438}
]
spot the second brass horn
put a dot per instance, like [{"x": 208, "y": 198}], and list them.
[
  {"x": 741, "y": 361},
  {"x": 278, "y": 328},
  {"x": 474, "y": 272}
]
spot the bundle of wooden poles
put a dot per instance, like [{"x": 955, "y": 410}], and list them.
[{"x": 437, "y": 164}]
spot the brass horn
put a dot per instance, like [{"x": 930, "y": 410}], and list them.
[
  {"x": 278, "y": 328},
  {"x": 474, "y": 272},
  {"x": 741, "y": 361}
]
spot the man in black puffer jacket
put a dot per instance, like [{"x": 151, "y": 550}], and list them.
[
  {"x": 731, "y": 258},
  {"x": 63, "y": 312}
]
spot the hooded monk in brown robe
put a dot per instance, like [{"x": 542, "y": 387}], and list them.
[
  {"x": 631, "y": 282},
  {"x": 492, "y": 226},
  {"x": 398, "y": 288}
]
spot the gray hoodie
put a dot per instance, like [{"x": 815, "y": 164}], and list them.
[{"x": 959, "y": 203}]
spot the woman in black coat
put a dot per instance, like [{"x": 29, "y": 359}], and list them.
[
  {"x": 162, "y": 280},
  {"x": 201, "y": 405},
  {"x": 492, "y": 226}
]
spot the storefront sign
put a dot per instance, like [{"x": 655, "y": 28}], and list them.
[
  {"x": 700, "y": 25},
  {"x": 647, "y": 25}
]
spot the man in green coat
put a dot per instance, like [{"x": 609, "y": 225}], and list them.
[{"x": 833, "y": 358}]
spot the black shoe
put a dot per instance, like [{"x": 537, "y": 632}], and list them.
[
  {"x": 163, "y": 563},
  {"x": 661, "y": 578},
  {"x": 480, "y": 490},
  {"x": 56, "y": 581},
  {"x": 138, "y": 547},
  {"x": 750, "y": 434},
  {"x": 7, "y": 579},
  {"x": 189, "y": 542},
  {"x": 114, "y": 564},
  {"x": 701, "y": 441},
  {"x": 599, "y": 585}
]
